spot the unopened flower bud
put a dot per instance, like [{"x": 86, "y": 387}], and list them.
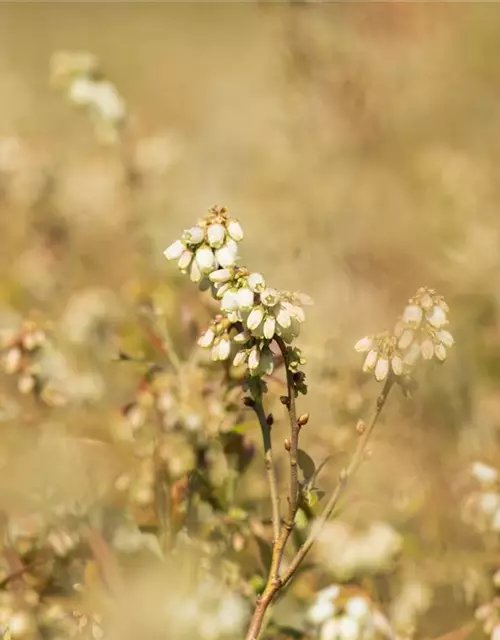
[
  {"x": 215, "y": 235},
  {"x": 235, "y": 230},
  {"x": 303, "y": 419},
  {"x": 174, "y": 251}
]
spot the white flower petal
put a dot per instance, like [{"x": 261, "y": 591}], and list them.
[
  {"x": 283, "y": 317},
  {"x": 221, "y": 290},
  {"x": 224, "y": 349},
  {"x": 440, "y": 351},
  {"x": 245, "y": 298},
  {"x": 370, "y": 360},
  {"x": 185, "y": 260},
  {"x": 240, "y": 358},
  {"x": 255, "y": 318},
  {"x": 206, "y": 340},
  {"x": 269, "y": 297},
  {"x": 412, "y": 316},
  {"x": 446, "y": 338},
  {"x": 256, "y": 282},
  {"x": 195, "y": 273},
  {"x": 364, "y": 345},
  {"x": 226, "y": 256},
  {"x": 254, "y": 359},
  {"x": 220, "y": 276},
  {"x": 382, "y": 369},
  {"x": 234, "y": 230},
  {"x": 397, "y": 364},
  {"x": 229, "y": 300},
  {"x": 215, "y": 235},
  {"x": 194, "y": 235},
  {"x": 266, "y": 364},
  {"x": 205, "y": 259},
  {"x": 241, "y": 338},
  {"x": 174, "y": 251},
  {"x": 269, "y": 327},
  {"x": 437, "y": 317}
]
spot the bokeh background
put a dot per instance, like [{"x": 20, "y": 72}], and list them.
[{"x": 359, "y": 146}]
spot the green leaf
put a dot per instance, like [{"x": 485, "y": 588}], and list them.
[
  {"x": 242, "y": 427},
  {"x": 306, "y": 464}
]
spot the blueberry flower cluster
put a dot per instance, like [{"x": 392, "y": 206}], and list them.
[
  {"x": 252, "y": 313},
  {"x": 79, "y": 75},
  {"x": 419, "y": 333}
]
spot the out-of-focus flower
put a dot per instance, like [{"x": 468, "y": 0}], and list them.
[
  {"x": 335, "y": 616},
  {"x": 349, "y": 553},
  {"x": 419, "y": 333},
  {"x": 79, "y": 75}
]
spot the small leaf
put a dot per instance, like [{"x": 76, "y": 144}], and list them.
[
  {"x": 306, "y": 464},
  {"x": 242, "y": 427}
]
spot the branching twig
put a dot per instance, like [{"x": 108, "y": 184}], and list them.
[
  {"x": 275, "y": 582},
  {"x": 345, "y": 474}
]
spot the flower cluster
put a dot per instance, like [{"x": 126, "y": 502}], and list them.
[
  {"x": 419, "y": 333},
  {"x": 352, "y": 616},
  {"x": 20, "y": 349},
  {"x": 252, "y": 313},
  {"x": 481, "y": 506},
  {"x": 79, "y": 75}
]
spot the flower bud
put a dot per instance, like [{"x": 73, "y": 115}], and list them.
[
  {"x": 174, "y": 251},
  {"x": 206, "y": 340},
  {"x": 205, "y": 259},
  {"x": 255, "y": 317},
  {"x": 397, "y": 364},
  {"x": 437, "y": 317},
  {"x": 364, "y": 345},
  {"x": 240, "y": 358},
  {"x": 266, "y": 364},
  {"x": 370, "y": 361},
  {"x": 226, "y": 256},
  {"x": 381, "y": 369},
  {"x": 446, "y": 338},
  {"x": 185, "y": 260},
  {"x": 229, "y": 300},
  {"x": 440, "y": 352},
  {"x": 283, "y": 317},
  {"x": 194, "y": 235},
  {"x": 245, "y": 299},
  {"x": 195, "y": 272},
  {"x": 215, "y": 235},
  {"x": 412, "y": 316},
  {"x": 234, "y": 230},
  {"x": 220, "y": 276},
  {"x": 269, "y": 327},
  {"x": 254, "y": 359}
]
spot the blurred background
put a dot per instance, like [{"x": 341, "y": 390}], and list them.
[{"x": 359, "y": 145}]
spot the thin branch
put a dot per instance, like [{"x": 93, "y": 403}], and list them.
[
  {"x": 293, "y": 493},
  {"x": 345, "y": 474},
  {"x": 265, "y": 426},
  {"x": 274, "y": 582}
]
